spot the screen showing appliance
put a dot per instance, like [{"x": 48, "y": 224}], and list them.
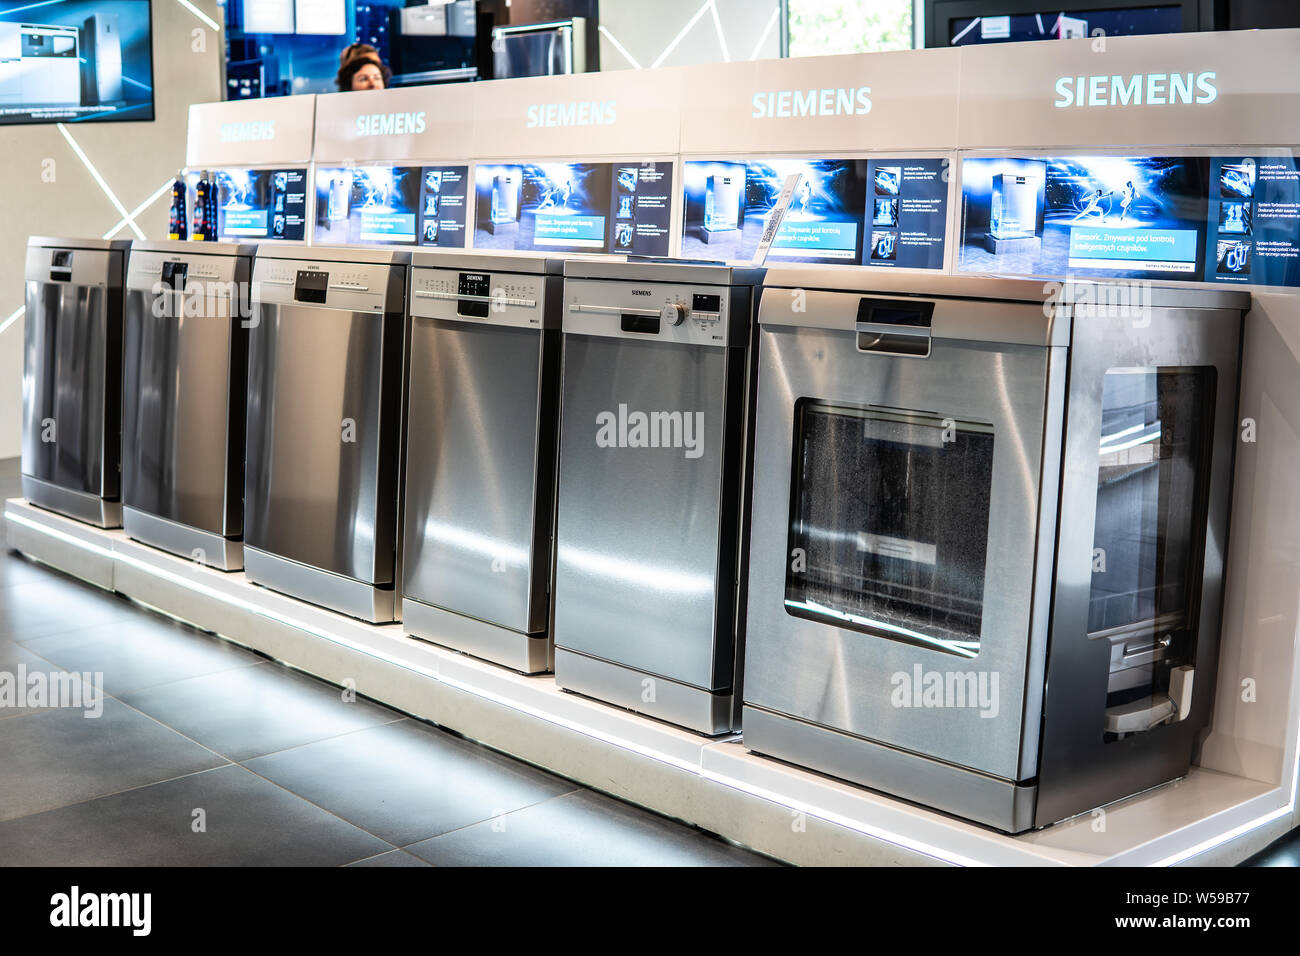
[
  {"x": 65, "y": 61},
  {"x": 257, "y": 203},
  {"x": 574, "y": 207},
  {"x": 404, "y": 205},
  {"x": 282, "y": 47},
  {"x": 1066, "y": 25},
  {"x": 1195, "y": 218},
  {"x": 878, "y": 212}
]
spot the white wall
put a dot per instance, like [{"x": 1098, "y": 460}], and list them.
[
  {"x": 635, "y": 33},
  {"x": 134, "y": 159}
]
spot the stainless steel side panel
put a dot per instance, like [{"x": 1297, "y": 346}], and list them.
[
  {"x": 840, "y": 678},
  {"x": 637, "y": 562},
  {"x": 477, "y": 537},
  {"x": 1078, "y": 770},
  {"x": 316, "y": 435}
]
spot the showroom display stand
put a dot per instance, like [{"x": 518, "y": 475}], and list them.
[{"x": 1206, "y": 818}]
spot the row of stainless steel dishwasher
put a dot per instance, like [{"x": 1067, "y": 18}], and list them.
[{"x": 962, "y": 538}]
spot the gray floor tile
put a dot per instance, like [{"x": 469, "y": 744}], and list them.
[
  {"x": 248, "y": 821},
  {"x": 405, "y": 782},
  {"x": 141, "y": 651},
  {"x": 60, "y": 757},
  {"x": 392, "y": 858},
  {"x": 17, "y": 664},
  {"x": 256, "y": 710},
  {"x": 15, "y": 569},
  {"x": 55, "y": 605},
  {"x": 582, "y": 829}
]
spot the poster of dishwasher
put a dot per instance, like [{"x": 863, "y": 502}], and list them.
[
  {"x": 880, "y": 212},
  {"x": 251, "y": 203},
  {"x": 574, "y": 207},
  {"x": 1133, "y": 217},
  {"x": 1190, "y": 218},
  {"x": 392, "y": 205}
]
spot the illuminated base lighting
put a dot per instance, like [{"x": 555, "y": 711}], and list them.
[{"x": 779, "y": 799}]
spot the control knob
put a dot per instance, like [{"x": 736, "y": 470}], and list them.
[{"x": 674, "y": 313}]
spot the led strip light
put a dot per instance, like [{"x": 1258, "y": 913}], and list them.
[{"x": 784, "y": 800}]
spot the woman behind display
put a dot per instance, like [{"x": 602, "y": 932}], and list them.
[{"x": 360, "y": 68}]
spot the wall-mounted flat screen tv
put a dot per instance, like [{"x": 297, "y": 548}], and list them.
[{"x": 72, "y": 61}]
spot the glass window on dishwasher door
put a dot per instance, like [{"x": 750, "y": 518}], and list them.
[
  {"x": 889, "y": 524},
  {"x": 1148, "y": 539}
]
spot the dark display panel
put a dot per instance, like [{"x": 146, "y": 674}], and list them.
[
  {"x": 574, "y": 207},
  {"x": 256, "y": 203},
  {"x": 1223, "y": 219},
  {"x": 1053, "y": 24},
  {"x": 402, "y": 205},
  {"x": 879, "y": 212},
  {"x": 63, "y": 61}
]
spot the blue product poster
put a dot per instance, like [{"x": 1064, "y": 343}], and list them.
[
  {"x": 574, "y": 207},
  {"x": 1254, "y": 221},
  {"x": 884, "y": 213},
  {"x": 1138, "y": 217},
  {"x": 391, "y": 205},
  {"x": 261, "y": 204},
  {"x": 728, "y": 205}
]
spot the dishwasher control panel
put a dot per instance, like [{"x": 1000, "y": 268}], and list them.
[
  {"x": 350, "y": 286},
  {"x": 686, "y": 314},
  {"x": 489, "y": 298}
]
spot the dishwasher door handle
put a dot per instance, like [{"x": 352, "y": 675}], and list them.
[
  {"x": 906, "y": 340},
  {"x": 613, "y": 310}
]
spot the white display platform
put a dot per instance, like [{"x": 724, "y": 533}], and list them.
[{"x": 1208, "y": 817}]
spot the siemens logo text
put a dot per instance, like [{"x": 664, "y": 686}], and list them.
[
  {"x": 390, "y": 124},
  {"x": 573, "y": 114},
  {"x": 1151, "y": 89},
  {"x": 831, "y": 102},
  {"x": 247, "y": 132}
]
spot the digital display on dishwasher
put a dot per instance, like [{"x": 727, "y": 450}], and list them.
[
  {"x": 475, "y": 284},
  {"x": 311, "y": 286}
]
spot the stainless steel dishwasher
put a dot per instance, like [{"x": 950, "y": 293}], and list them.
[
  {"x": 651, "y": 512},
  {"x": 325, "y": 390},
  {"x": 986, "y": 566},
  {"x": 184, "y": 388},
  {"x": 480, "y": 455},
  {"x": 72, "y": 378}
]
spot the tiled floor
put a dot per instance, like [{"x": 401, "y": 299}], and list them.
[{"x": 208, "y": 754}]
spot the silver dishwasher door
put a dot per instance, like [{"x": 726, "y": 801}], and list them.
[
  {"x": 473, "y": 544},
  {"x": 315, "y": 492},
  {"x": 185, "y": 357},
  {"x": 66, "y": 344},
  {"x": 637, "y": 564}
]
